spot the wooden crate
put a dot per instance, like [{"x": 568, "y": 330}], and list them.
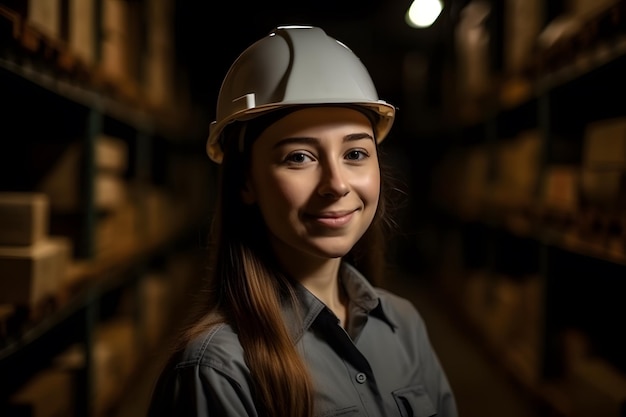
[
  {"x": 30, "y": 274},
  {"x": 23, "y": 218}
]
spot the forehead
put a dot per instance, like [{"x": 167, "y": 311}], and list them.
[{"x": 314, "y": 120}]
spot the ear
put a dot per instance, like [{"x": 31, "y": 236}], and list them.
[{"x": 248, "y": 196}]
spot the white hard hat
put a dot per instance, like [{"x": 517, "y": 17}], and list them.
[{"x": 294, "y": 66}]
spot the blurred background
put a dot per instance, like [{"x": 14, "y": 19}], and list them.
[{"x": 509, "y": 150}]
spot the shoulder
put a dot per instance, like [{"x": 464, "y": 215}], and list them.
[
  {"x": 218, "y": 348},
  {"x": 207, "y": 377},
  {"x": 401, "y": 312}
]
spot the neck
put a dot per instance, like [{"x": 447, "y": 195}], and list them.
[{"x": 318, "y": 275}]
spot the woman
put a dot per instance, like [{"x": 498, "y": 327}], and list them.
[{"x": 289, "y": 326}]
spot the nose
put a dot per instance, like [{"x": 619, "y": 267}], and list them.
[{"x": 333, "y": 183}]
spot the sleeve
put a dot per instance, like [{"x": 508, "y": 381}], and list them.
[
  {"x": 434, "y": 375},
  {"x": 199, "y": 391}
]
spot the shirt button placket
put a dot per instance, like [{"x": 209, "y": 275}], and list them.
[{"x": 360, "y": 378}]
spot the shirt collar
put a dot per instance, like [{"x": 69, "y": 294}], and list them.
[{"x": 360, "y": 292}]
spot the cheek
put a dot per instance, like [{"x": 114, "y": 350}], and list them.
[
  {"x": 278, "y": 192},
  {"x": 369, "y": 187}
]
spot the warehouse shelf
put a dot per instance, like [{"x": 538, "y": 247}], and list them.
[
  {"x": 90, "y": 281},
  {"x": 87, "y": 97},
  {"x": 184, "y": 125},
  {"x": 527, "y": 226},
  {"x": 547, "y": 234},
  {"x": 51, "y": 109}
]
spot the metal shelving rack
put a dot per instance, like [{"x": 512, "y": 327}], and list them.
[
  {"x": 573, "y": 271},
  {"x": 90, "y": 113}
]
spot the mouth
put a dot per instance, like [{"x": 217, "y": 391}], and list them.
[{"x": 334, "y": 219}]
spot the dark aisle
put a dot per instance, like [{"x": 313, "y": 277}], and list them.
[{"x": 481, "y": 388}]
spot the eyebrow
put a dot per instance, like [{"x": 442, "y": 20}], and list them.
[{"x": 312, "y": 141}]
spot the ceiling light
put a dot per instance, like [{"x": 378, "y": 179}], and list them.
[{"x": 423, "y": 13}]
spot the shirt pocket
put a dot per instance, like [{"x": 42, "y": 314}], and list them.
[{"x": 414, "y": 402}]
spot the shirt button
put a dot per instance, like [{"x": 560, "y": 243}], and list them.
[{"x": 360, "y": 377}]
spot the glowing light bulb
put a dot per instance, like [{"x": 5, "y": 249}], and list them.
[{"x": 423, "y": 13}]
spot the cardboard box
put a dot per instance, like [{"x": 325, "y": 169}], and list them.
[
  {"x": 30, "y": 274},
  {"x": 114, "y": 359},
  {"x": 23, "y": 218},
  {"x": 118, "y": 231},
  {"x": 45, "y": 16},
  {"x": 114, "y": 42},
  {"x": 63, "y": 183},
  {"x": 159, "y": 62},
  {"x": 156, "y": 303},
  {"x": 122, "y": 45},
  {"x": 517, "y": 163},
  {"x": 605, "y": 144},
  {"x": 472, "y": 44},
  {"x": 561, "y": 189},
  {"x": 111, "y": 154},
  {"x": 157, "y": 215},
  {"x": 523, "y": 22},
  {"x": 82, "y": 30},
  {"x": 603, "y": 187},
  {"x": 48, "y": 394},
  {"x": 110, "y": 191}
]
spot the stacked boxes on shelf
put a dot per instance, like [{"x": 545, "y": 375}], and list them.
[
  {"x": 138, "y": 324},
  {"x": 125, "y": 52},
  {"x": 81, "y": 32},
  {"x": 111, "y": 195},
  {"x": 584, "y": 35},
  {"x": 156, "y": 296},
  {"x": 516, "y": 164},
  {"x": 116, "y": 42},
  {"x": 47, "y": 394},
  {"x": 595, "y": 386},
  {"x": 484, "y": 177},
  {"x": 45, "y": 15},
  {"x": 160, "y": 73},
  {"x": 33, "y": 263},
  {"x": 166, "y": 293},
  {"x": 604, "y": 164},
  {"x": 560, "y": 192},
  {"x": 62, "y": 183},
  {"x": 53, "y": 391},
  {"x": 114, "y": 358},
  {"x": 507, "y": 312},
  {"x": 523, "y": 20},
  {"x": 123, "y": 48},
  {"x": 603, "y": 181}
]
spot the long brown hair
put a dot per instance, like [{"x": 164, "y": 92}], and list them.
[{"x": 245, "y": 288}]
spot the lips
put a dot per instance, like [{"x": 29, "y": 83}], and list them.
[{"x": 332, "y": 219}]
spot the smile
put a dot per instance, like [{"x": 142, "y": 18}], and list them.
[{"x": 334, "y": 219}]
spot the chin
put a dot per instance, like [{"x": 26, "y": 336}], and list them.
[
  {"x": 332, "y": 253},
  {"x": 332, "y": 247}
]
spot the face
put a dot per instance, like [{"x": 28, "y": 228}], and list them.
[{"x": 315, "y": 177}]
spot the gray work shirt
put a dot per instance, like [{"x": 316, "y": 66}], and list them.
[{"x": 382, "y": 364}]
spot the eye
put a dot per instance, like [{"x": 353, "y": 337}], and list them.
[
  {"x": 297, "y": 158},
  {"x": 357, "y": 155}
]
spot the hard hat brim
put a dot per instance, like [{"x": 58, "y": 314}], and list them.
[{"x": 384, "y": 111}]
